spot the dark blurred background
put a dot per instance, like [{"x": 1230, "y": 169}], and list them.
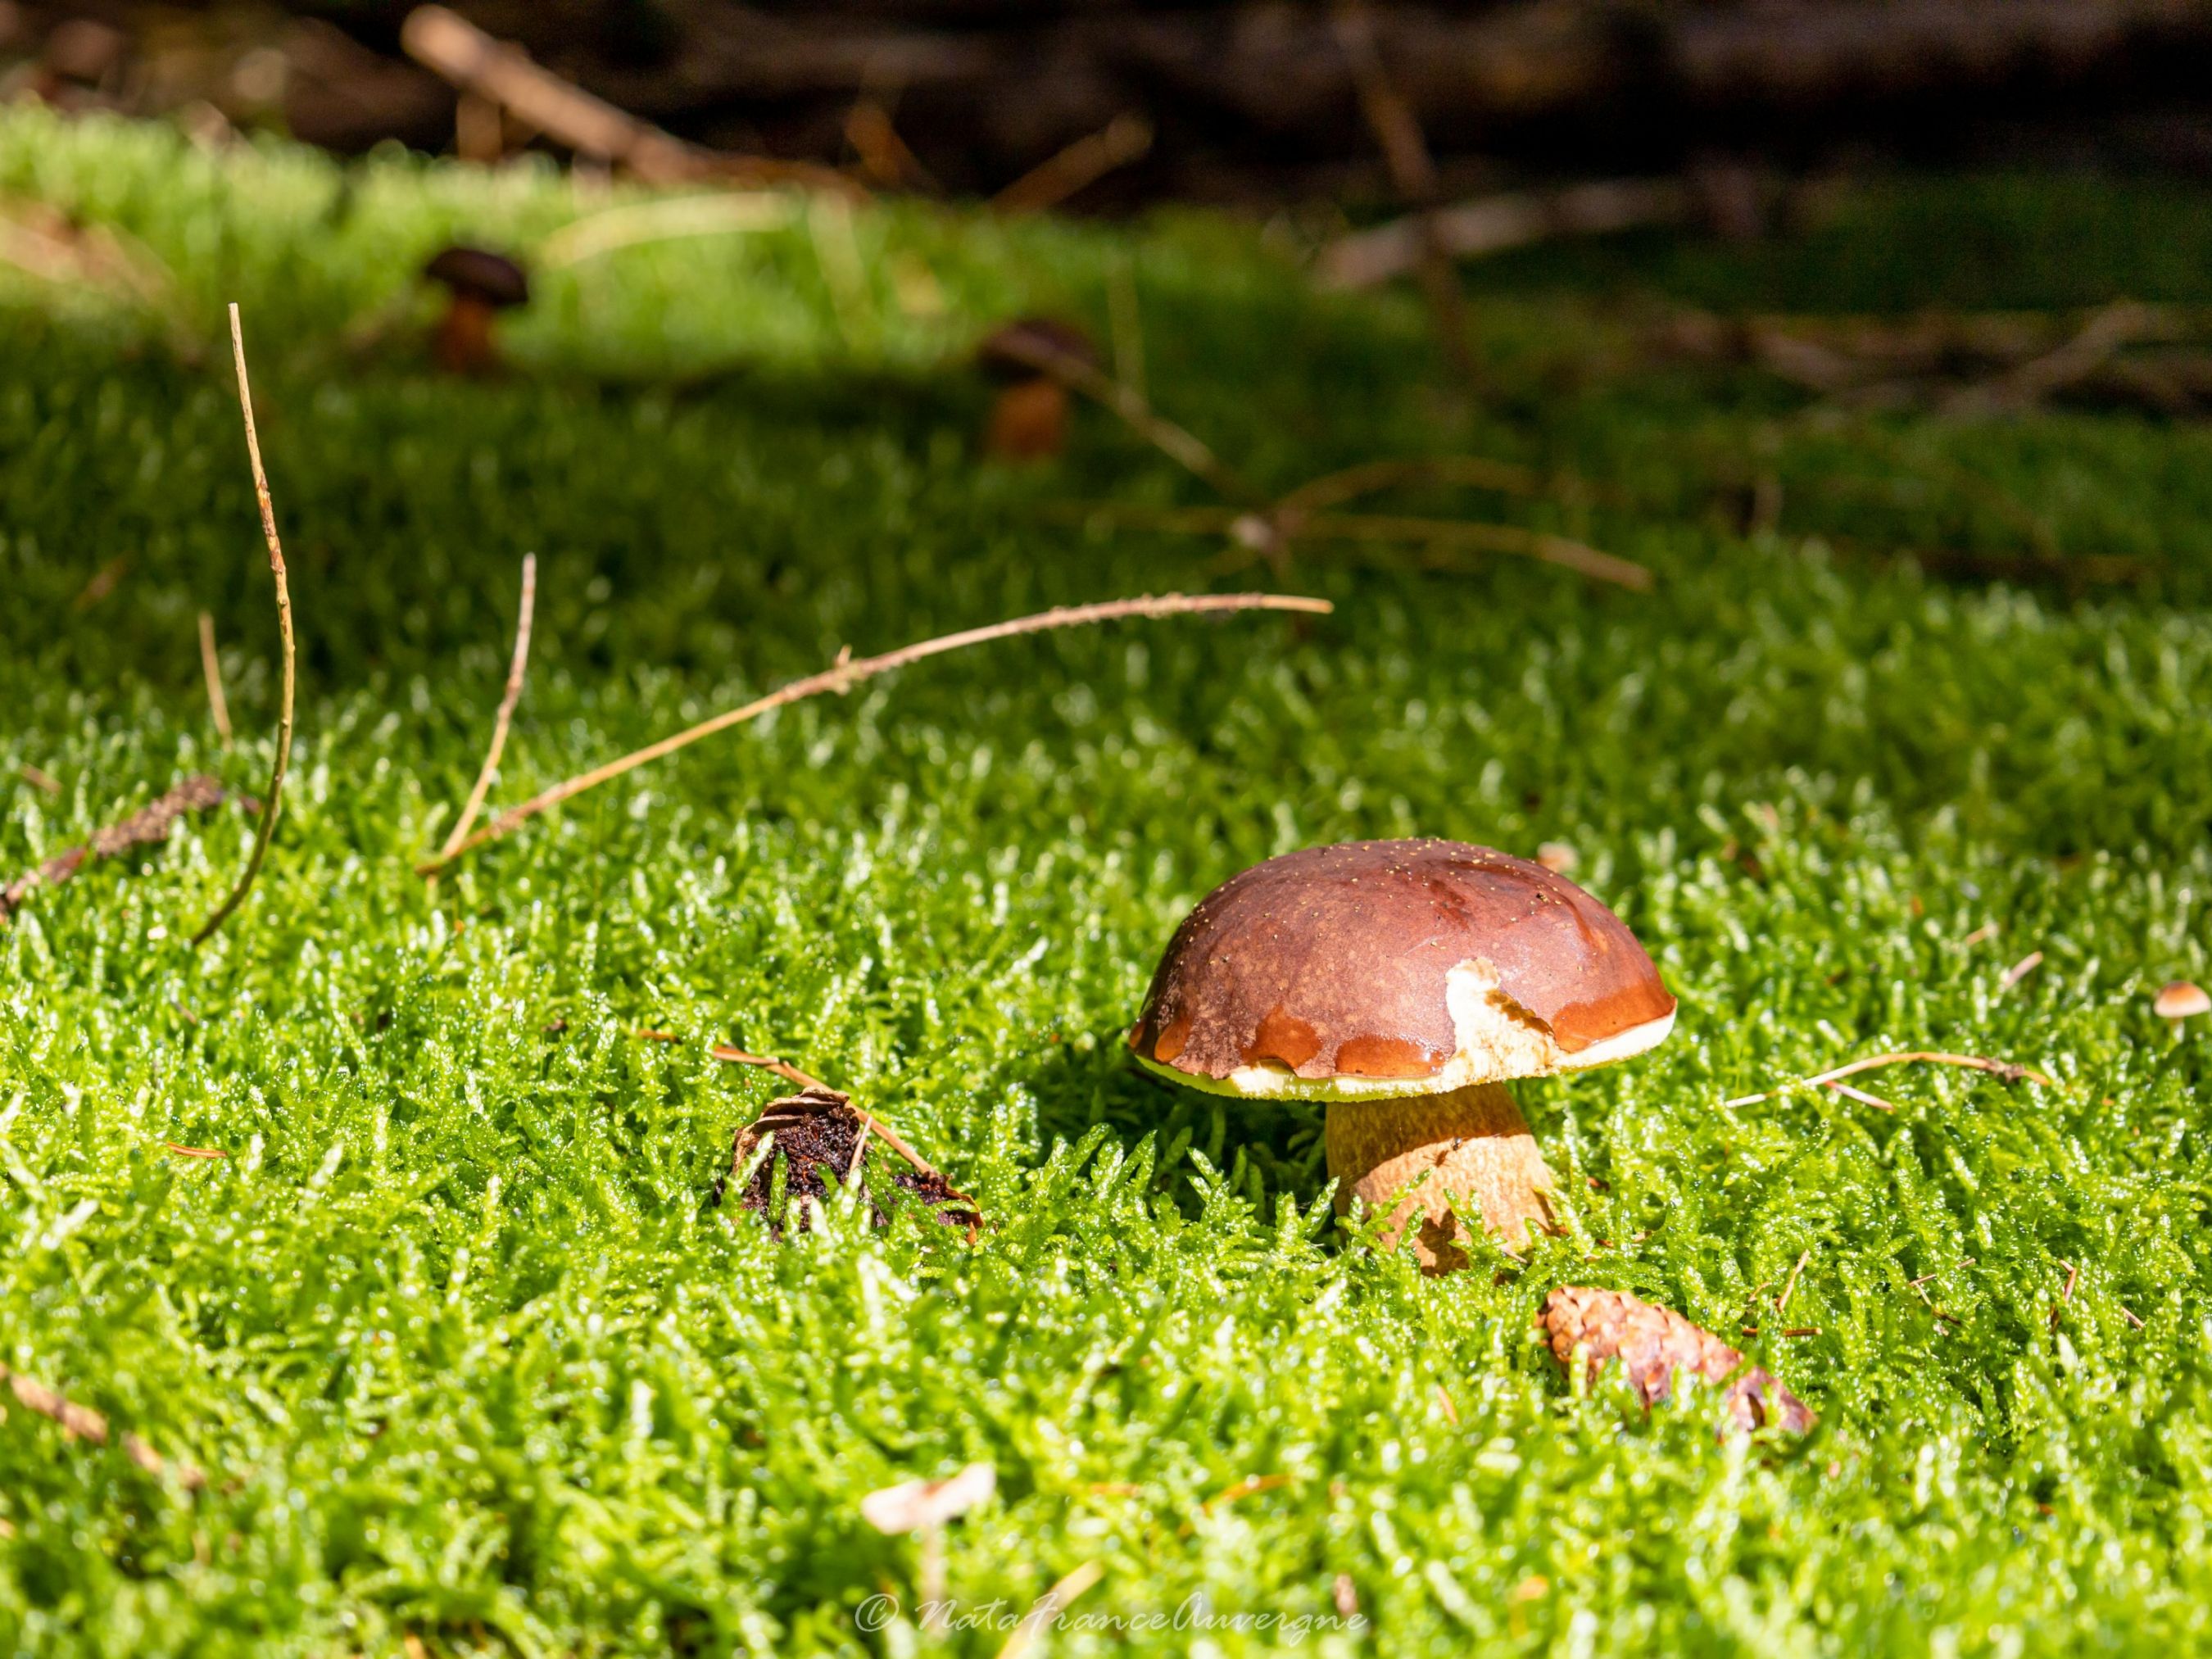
[{"x": 1255, "y": 104}]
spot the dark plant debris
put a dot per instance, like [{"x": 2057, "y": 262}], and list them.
[{"x": 819, "y": 1130}]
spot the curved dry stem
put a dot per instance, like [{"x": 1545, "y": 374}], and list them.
[
  {"x": 846, "y": 674},
  {"x": 274, "y": 798},
  {"x": 506, "y": 715}
]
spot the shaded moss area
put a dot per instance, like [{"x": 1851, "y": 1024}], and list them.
[{"x": 467, "y": 1356}]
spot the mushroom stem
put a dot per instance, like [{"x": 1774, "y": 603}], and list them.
[
  {"x": 1475, "y": 1147},
  {"x": 1029, "y": 421},
  {"x": 464, "y": 343}
]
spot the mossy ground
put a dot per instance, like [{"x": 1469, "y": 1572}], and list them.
[{"x": 471, "y": 1361}]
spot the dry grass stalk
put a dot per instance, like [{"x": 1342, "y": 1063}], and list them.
[
  {"x": 211, "y": 670},
  {"x": 270, "y": 806},
  {"x": 508, "y": 701}
]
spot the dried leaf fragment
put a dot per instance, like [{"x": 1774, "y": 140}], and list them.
[
  {"x": 914, "y": 1505},
  {"x": 1653, "y": 1343}
]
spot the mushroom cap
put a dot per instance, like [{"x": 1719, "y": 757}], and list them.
[
  {"x": 1009, "y": 351},
  {"x": 1393, "y": 968},
  {"x": 482, "y": 274},
  {"x": 2181, "y": 1000}
]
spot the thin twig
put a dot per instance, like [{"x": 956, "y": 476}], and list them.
[
  {"x": 1179, "y": 445},
  {"x": 1124, "y": 139},
  {"x": 846, "y": 674},
  {"x": 275, "y": 796},
  {"x": 1475, "y": 471},
  {"x": 86, "y": 1423},
  {"x": 1860, "y": 1095},
  {"x": 211, "y": 666},
  {"x": 782, "y": 1068},
  {"x": 507, "y": 702},
  {"x": 1414, "y": 170},
  {"x": 39, "y": 778},
  {"x": 2020, "y": 970},
  {"x": 2002, "y": 1069},
  {"x": 1261, "y": 532}
]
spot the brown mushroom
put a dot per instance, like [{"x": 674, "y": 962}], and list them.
[
  {"x": 480, "y": 285},
  {"x": 1029, "y": 417},
  {"x": 1405, "y": 982}
]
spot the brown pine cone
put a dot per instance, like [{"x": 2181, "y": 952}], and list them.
[{"x": 1653, "y": 1344}]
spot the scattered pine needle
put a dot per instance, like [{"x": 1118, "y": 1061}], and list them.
[
  {"x": 275, "y": 796},
  {"x": 39, "y": 778},
  {"x": 211, "y": 668},
  {"x": 2020, "y": 970},
  {"x": 194, "y": 1151},
  {"x": 849, "y": 672},
  {"x": 1395, "y": 472},
  {"x": 2004, "y": 1070},
  {"x": 634, "y": 224},
  {"x": 506, "y": 715},
  {"x": 1782, "y": 1302},
  {"x": 83, "y": 1423}
]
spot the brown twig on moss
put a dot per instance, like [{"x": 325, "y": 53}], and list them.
[
  {"x": 149, "y": 826},
  {"x": 275, "y": 800},
  {"x": 85, "y": 1424},
  {"x": 211, "y": 669},
  {"x": 847, "y": 672},
  {"x": 2003, "y": 1070},
  {"x": 39, "y": 778},
  {"x": 508, "y": 701}
]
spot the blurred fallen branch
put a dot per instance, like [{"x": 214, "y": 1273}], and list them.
[
  {"x": 1493, "y": 224},
  {"x": 1123, "y": 140},
  {"x": 1413, "y": 171},
  {"x": 504, "y": 74}
]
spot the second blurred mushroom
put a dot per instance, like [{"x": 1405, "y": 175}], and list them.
[{"x": 479, "y": 285}]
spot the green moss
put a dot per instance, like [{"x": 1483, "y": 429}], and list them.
[{"x": 452, "y": 1324}]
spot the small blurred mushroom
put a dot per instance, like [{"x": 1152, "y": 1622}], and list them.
[
  {"x": 1652, "y": 1344},
  {"x": 481, "y": 284},
  {"x": 2179, "y": 1000},
  {"x": 1029, "y": 417}
]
